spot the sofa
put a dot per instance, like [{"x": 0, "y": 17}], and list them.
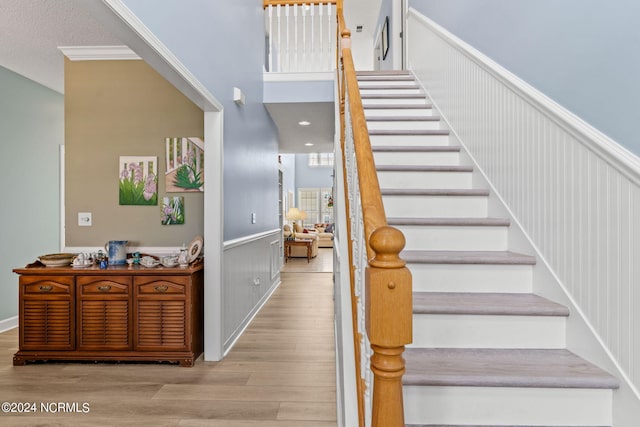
[
  {"x": 325, "y": 235},
  {"x": 301, "y": 251}
]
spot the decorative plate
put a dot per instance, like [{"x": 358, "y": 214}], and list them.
[
  {"x": 56, "y": 260},
  {"x": 195, "y": 247}
]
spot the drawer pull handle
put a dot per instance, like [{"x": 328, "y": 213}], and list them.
[
  {"x": 162, "y": 288},
  {"x": 46, "y": 288},
  {"x": 105, "y": 288}
]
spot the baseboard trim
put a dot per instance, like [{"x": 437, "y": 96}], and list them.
[{"x": 8, "y": 324}]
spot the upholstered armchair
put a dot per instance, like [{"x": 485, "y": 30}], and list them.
[{"x": 325, "y": 235}]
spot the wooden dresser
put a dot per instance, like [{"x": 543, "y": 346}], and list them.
[{"x": 120, "y": 313}]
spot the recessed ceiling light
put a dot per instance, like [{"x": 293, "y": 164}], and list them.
[
  {"x": 304, "y": 123},
  {"x": 309, "y": 144}
]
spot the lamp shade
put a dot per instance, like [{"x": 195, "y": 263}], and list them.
[{"x": 294, "y": 214}]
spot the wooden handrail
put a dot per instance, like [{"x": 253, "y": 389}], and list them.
[{"x": 388, "y": 287}]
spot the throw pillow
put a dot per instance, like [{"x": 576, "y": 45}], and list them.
[{"x": 329, "y": 228}]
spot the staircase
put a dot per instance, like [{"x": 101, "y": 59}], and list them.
[{"x": 486, "y": 350}]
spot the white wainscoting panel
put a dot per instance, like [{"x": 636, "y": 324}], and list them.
[
  {"x": 251, "y": 274},
  {"x": 574, "y": 192}
]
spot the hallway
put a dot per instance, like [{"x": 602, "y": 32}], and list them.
[{"x": 280, "y": 373}]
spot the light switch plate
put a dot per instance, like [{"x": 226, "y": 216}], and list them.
[{"x": 84, "y": 219}]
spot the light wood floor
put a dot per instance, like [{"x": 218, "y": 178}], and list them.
[
  {"x": 280, "y": 373},
  {"x": 323, "y": 263}
]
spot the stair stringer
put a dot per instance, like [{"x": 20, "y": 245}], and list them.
[{"x": 581, "y": 336}]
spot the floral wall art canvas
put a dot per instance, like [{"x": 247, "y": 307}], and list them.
[
  {"x": 172, "y": 210},
  {"x": 185, "y": 164},
  {"x": 138, "y": 180}
]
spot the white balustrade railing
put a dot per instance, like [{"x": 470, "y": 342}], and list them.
[
  {"x": 359, "y": 260},
  {"x": 301, "y": 37}
]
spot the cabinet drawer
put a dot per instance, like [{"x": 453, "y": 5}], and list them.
[
  {"x": 95, "y": 285},
  {"x": 159, "y": 285},
  {"x": 36, "y": 285}
]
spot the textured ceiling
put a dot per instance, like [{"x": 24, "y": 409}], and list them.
[{"x": 32, "y": 30}]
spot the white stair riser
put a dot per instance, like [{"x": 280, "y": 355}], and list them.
[
  {"x": 471, "y": 278},
  {"x": 367, "y": 84},
  {"x": 393, "y": 101},
  {"x": 409, "y": 140},
  {"x": 404, "y": 125},
  {"x": 507, "y": 406},
  {"x": 413, "y": 112},
  {"x": 417, "y": 158},
  {"x": 425, "y": 180},
  {"x": 454, "y": 238},
  {"x": 488, "y": 331},
  {"x": 435, "y": 206},
  {"x": 397, "y": 91}
]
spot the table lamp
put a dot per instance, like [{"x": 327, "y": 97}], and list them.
[{"x": 294, "y": 214}]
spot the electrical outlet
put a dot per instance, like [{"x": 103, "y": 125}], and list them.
[
  {"x": 253, "y": 218},
  {"x": 256, "y": 281},
  {"x": 84, "y": 219}
]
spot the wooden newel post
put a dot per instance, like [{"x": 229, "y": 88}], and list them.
[{"x": 388, "y": 318}]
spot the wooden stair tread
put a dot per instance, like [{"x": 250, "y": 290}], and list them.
[
  {"x": 457, "y": 222},
  {"x": 498, "y": 304},
  {"x": 554, "y": 368},
  {"x": 416, "y": 149},
  {"x": 467, "y": 257},
  {"x": 434, "y": 192},
  {"x": 409, "y": 132},
  {"x": 421, "y": 168},
  {"x": 404, "y": 119}
]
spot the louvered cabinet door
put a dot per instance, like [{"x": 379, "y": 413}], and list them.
[
  {"x": 47, "y": 313},
  {"x": 162, "y": 313},
  {"x": 104, "y": 313}
]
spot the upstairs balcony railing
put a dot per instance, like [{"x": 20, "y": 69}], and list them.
[
  {"x": 379, "y": 282},
  {"x": 300, "y": 37}
]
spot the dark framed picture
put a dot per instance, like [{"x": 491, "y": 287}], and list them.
[{"x": 385, "y": 38}]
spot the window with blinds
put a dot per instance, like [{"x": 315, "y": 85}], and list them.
[{"x": 317, "y": 203}]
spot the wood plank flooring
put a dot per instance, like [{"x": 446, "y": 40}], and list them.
[
  {"x": 323, "y": 263},
  {"x": 281, "y": 373}
]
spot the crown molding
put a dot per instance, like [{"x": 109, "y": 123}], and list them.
[{"x": 98, "y": 53}]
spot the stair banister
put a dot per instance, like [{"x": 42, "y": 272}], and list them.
[{"x": 388, "y": 287}]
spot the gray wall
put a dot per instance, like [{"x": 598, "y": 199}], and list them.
[
  {"x": 312, "y": 177},
  {"x": 32, "y": 123},
  {"x": 223, "y": 46},
  {"x": 581, "y": 53}
]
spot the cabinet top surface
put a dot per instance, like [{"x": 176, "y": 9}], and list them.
[{"x": 137, "y": 270}]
